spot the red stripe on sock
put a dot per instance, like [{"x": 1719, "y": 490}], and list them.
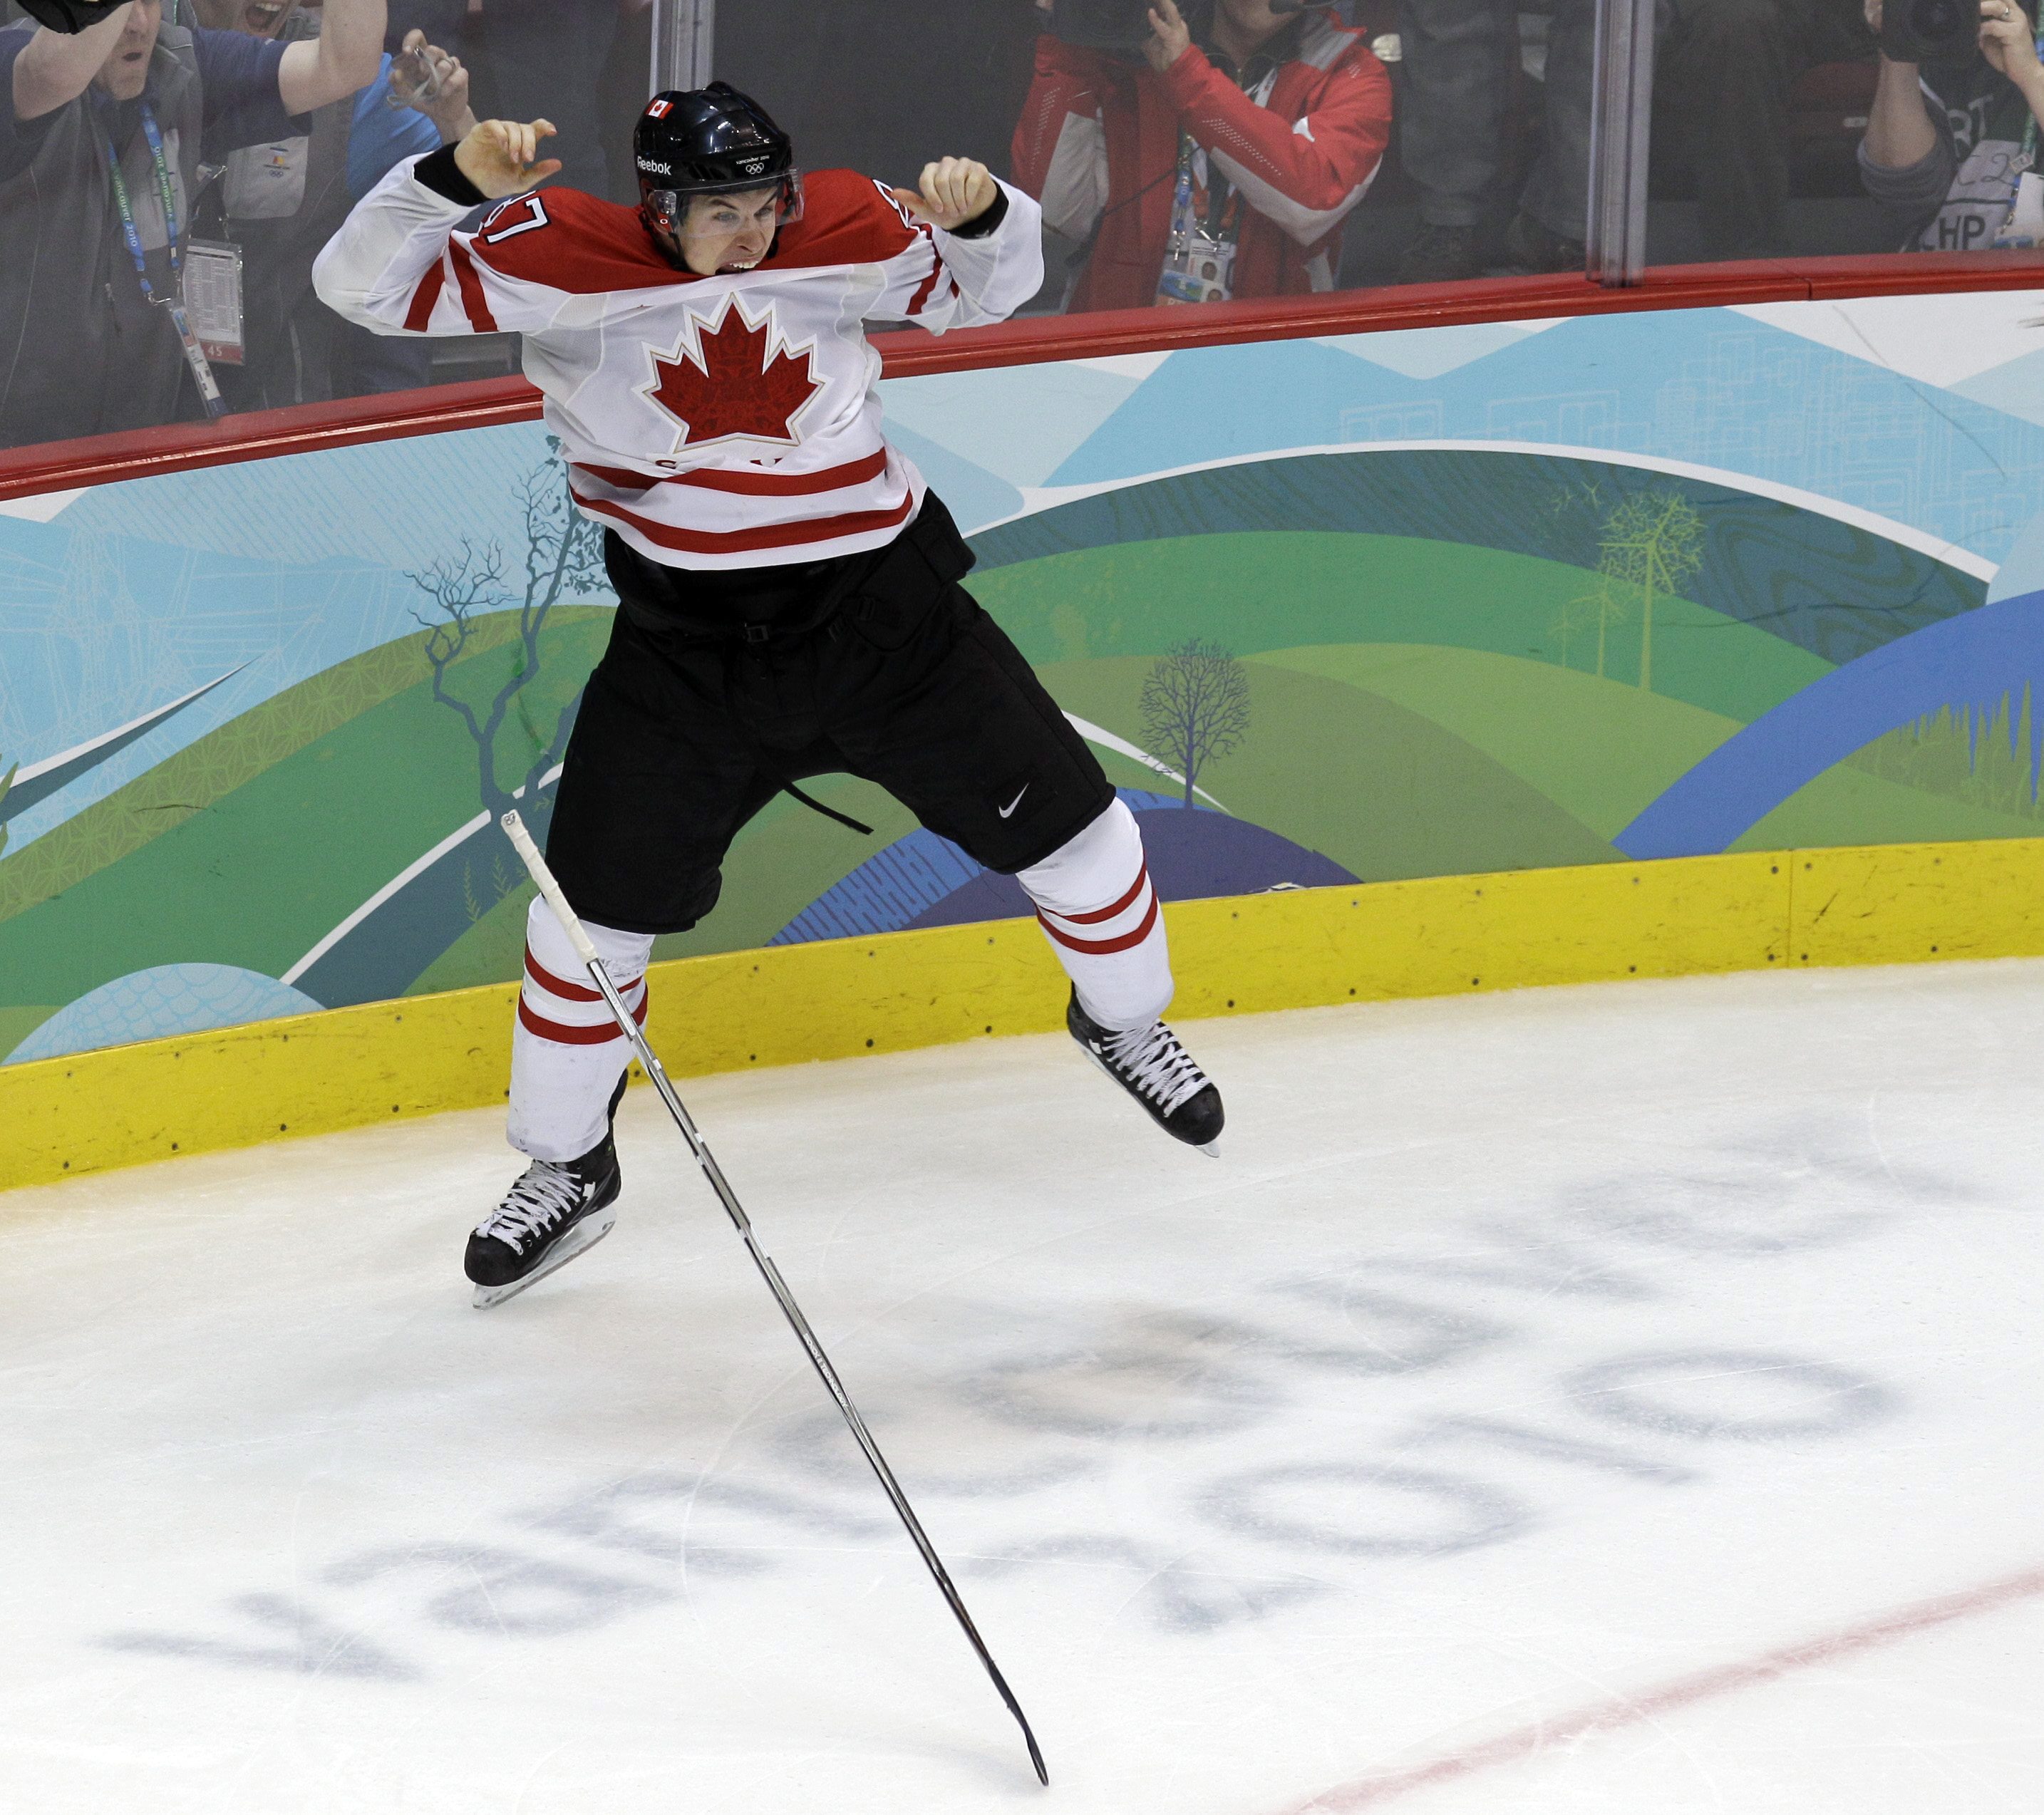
[
  {"x": 1120, "y": 907},
  {"x": 1102, "y": 948},
  {"x": 555, "y": 986},
  {"x": 562, "y": 1035}
]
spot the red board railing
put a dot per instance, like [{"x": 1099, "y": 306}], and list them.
[{"x": 67, "y": 466}]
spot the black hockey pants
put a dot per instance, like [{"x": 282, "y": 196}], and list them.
[{"x": 719, "y": 690}]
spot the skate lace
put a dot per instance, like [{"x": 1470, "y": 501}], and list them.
[
  {"x": 544, "y": 1195},
  {"x": 1152, "y": 1060}
]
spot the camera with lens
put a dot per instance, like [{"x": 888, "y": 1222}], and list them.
[
  {"x": 1118, "y": 24},
  {"x": 1929, "y": 31}
]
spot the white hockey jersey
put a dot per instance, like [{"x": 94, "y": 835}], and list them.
[{"x": 728, "y": 421}]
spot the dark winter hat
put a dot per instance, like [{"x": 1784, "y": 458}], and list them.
[{"x": 70, "y": 15}]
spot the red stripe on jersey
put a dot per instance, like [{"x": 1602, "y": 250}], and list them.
[
  {"x": 922, "y": 296},
  {"x": 1103, "y": 948},
  {"x": 1120, "y": 907},
  {"x": 745, "y": 541},
  {"x": 472, "y": 299},
  {"x": 747, "y": 485},
  {"x": 425, "y": 296},
  {"x": 589, "y": 246},
  {"x": 562, "y": 1035}
]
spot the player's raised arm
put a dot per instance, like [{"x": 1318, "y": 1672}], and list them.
[
  {"x": 978, "y": 257},
  {"x": 398, "y": 264}
]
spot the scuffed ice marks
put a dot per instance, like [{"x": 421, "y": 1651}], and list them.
[{"x": 1213, "y": 1464}]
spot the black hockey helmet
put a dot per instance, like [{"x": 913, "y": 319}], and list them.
[
  {"x": 70, "y": 15},
  {"x": 710, "y": 141}
]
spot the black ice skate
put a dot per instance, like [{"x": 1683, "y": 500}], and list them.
[
  {"x": 1159, "y": 1073},
  {"x": 552, "y": 1214}
]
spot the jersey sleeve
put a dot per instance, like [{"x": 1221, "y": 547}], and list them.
[
  {"x": 941, "y": 281},
  {"x": 1305, "y": 174},
  {"x": 401, "y": 265}
]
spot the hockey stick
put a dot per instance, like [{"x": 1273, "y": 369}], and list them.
[{"x": 521, "y": 840}]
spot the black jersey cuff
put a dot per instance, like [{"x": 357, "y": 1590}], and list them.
[
  {"x": 441, "y": 175},
  {"x": 980, "y": 225}
]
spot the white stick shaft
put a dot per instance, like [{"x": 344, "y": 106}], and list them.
[{"x": 521, "y": 842}]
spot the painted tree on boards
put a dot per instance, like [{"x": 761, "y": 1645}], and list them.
[
  {"x": 1597, "y": 609},
  {"x": 563, "y": 560},
  {"x": 1195, "y": 707},
  {"x": 6, "y": 782},
  {"x": 1652, "y": 544}
]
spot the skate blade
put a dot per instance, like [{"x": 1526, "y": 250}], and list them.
[
  {"x": 1211, "y": 1149},
  {"x": 585, "y": 1236}
]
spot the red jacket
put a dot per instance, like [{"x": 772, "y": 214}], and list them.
[{"x": 1096, "y": 133}]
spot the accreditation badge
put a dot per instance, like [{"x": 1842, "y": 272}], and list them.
[
  {"x": 212, "y": 300},
  {"x": 1197, "y": 268}
]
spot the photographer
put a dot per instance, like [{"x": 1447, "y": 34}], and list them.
[
  {"x": 1205, "y": 164},
  {"x": 1951, "y": 142},
  {"x": 101, "y": 137}
]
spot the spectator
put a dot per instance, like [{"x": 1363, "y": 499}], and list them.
[
  {"x": 1724, "y": 81},
  {"x": 1209, "y": 170},
  {"x": 101, "y": 135},
  {"x": 1460, "y": 61},
  {"x": 281, "y": 202},
  {"x": 1949, "y": 154}
]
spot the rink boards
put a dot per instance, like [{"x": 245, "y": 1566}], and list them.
[
  {"x": 1248, "y": 955},
  {"x": 252, "y": 886}
]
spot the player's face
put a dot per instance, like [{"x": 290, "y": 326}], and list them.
[
  {"x": 125, "y": 73},
  {"x": 728, "y": 232}
]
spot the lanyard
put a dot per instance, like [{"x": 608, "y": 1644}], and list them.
[
  {"x": 173, "y": 304},
  {"x": 165, "y": 193},
  {"x": 1256, "y": 79}
]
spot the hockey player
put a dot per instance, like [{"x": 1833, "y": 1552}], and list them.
[{"x": 788, "y": 586}]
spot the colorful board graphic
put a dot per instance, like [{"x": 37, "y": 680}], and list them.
[{"x": 1468, "y": 599}]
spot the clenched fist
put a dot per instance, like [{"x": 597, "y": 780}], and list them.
[{"x": 953, "y": 191}]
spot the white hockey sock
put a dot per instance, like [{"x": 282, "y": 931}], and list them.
[
  {"x": 566, "y": 1053},
  {"x": 1097, "y": 908}
]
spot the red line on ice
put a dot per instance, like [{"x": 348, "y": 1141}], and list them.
[{"x": 1371, "y": 1791}]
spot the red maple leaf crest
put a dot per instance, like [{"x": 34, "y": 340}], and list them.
[{"x": 730, "y": 389}]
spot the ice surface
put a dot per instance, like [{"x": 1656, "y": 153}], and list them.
[{"x": 1527, "y": 1358}]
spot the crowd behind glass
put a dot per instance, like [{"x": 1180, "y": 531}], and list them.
[{"x": 1186, "y": 152}]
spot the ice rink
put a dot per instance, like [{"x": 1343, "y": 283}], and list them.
[{"x": 1570, "y": 1402}]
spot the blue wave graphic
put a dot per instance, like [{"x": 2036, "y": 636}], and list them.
[{"x": 1977, "y": 662}]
